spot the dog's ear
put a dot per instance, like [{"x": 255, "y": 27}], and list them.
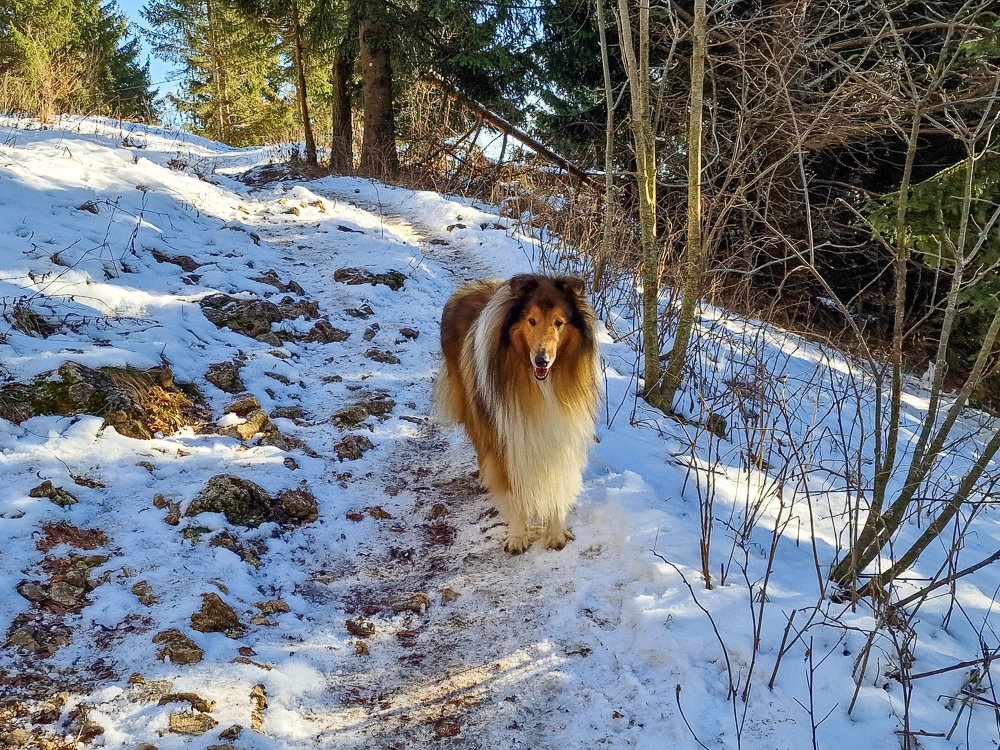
[
  {"x": 571, "y": 285},
  {"x": 522, "y": 284}
]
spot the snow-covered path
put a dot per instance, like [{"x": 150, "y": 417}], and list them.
[{"x": 502, "y": 654}]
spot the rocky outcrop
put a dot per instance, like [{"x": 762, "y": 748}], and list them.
[
  {"x": 357, "y": 276},
  {"x": 137, "y": 403},
  {"x": 245, "y": 503}
]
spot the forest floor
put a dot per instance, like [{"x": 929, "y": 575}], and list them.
[{"x": 385, "y": 614}]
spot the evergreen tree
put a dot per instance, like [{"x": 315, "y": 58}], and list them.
[
  {"x": 233, "y": 70},
  {"x": 71, "y": 55},
  {"x": 117, "y": 83},
  {"x": 284, "y": 20}
]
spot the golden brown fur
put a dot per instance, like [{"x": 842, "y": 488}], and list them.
[{"x": 520, "y": 375}]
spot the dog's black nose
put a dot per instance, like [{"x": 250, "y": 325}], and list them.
[{"x": 541, "y": 360}]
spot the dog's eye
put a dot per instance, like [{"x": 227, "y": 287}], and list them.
[
  {"x": 532, "y": 321},
  {"x": 559, "y": 324}
]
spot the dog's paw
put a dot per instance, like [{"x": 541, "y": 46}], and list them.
[
  {"x": 516, "y": 544},
  {"x": 558, "y": 539}
]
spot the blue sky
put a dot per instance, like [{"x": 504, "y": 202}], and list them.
[{"x": 163, "y": 74}]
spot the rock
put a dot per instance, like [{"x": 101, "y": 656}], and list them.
[
  {"x": 196, "y": 701},
  {"x": 32, "y": 591},
  {"x": 416, "y": 602},
  {"x": 378, "y": 513},
  {"x": 379, "y": 355},
  {"x": 240, "y": 500},
  {"x": 144, "y": 592},
  {"x": 232, "y": 733},
  {"x": 58, "y": 495},
  {"x": 226, "y": 541},
  {"x": 352, "y": 447},
  {"x": 360, "y": 628},
  {"x": 295, "y": 288},
  {"x": 36, "y": 633},
  {"x": 272, "y": 339},
  {"x": 370, "y": 331},
  {"x": 226, "y": 376},
  {"x": 292, "y": 309},
  {"x": 448, "y": 595},
  {"x": 191, "y": 722},
  {"x": 324, "y": 333},
  {"x": 67, "y": 594},
  {"x": 364, "y": 312},
  {"x": 281, "y": 378},
  {"x": 242, "y": 404},
  {"x": 186, "y": 262},
  {"x": 356, "y": 276},
  {"x": 225, "y": 746},
  {"x": 286, "y": 443},
  {"x": 273, "y": 606},
  {"x": 215, "y": 616},
  {"x": 287, "y": 412},
  {"x": 137, "y": 403},
  {"x": 298, "y": 506},
  {"x": 256, "y": 421},
  {"x": 290, "y": 463},
  {"x": 146, "y": 746},
  {"x": 177, "y": 647},
  {"x": 350, "y": 416},
  {"x": 270, "y": 277},
  {"x": 173, "y": 517},
  {"x": 250, "y": 317},
  {"x": 409, "y": 333},
  {"x": 378, "y": 403}
]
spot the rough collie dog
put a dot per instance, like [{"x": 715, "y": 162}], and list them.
[{"x": 520, "y": 375}]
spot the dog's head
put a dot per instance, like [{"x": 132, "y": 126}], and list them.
[{"x": 548, "y": 316}]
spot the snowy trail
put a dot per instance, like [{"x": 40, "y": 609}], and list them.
[{"x": 482, "y": 663}]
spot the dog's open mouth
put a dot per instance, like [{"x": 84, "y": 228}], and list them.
[{"x": 541, "y": 373}]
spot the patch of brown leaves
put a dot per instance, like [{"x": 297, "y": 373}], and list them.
[{"x": 66, "y": 533}]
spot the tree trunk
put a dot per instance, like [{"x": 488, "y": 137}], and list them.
[
  {"x": 609, "y": 143},
  {"x": 637, "y": 68},
  {"x": 694, "y": 253},
  {"x": 220, "y": 129},
  {"x": 300, "y": 85},
  {"x": 341, "y": 146},
  {"x": 378, "y": 145}
]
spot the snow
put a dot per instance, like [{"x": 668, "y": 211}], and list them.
[{"x": 596, "y": 645}]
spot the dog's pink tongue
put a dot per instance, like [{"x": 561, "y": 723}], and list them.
[{"x": 541, "y": 373}]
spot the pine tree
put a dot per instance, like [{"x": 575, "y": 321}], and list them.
[
  {"x": 233, "y": 70},
  {"x": 71, "y": 55},
  {"x": 117, "y": 84},
  {"x": 285, "y": 21}
]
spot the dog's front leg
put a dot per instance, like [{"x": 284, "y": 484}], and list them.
[
  {"x": 556, "y": 534},
  {"x": 518, "y": 536}
]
